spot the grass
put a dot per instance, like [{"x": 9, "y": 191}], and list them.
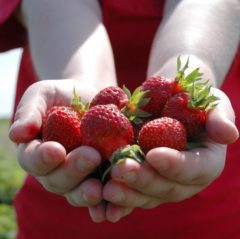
[{"x": 11, "y": 179}]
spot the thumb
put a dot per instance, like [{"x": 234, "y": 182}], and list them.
[
  {"x": 220, "y": 123},
  {"x": 28, "y": 117}
]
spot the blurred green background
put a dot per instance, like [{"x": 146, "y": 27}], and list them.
[{"x": 11, "y": 179}]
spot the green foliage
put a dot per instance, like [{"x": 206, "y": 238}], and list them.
[
  {"x": 7, "y": 222},
  {"x": 11, "y": 178}
]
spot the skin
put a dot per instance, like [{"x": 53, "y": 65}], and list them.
[{"x": 167, "y": 175}]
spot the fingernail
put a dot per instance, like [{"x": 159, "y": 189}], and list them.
[
  {"x": 85, "y": 197},
  {"x": 234, "y": 133}
]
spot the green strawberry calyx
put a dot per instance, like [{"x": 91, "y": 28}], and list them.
[
  {"x": 200, "y": 97},
  {"x": 78, "y": 104},
  {"x": 198, "y": 89},
  {"x": 186, "y": 81},
  {"x": 130, "y": 151},
  {"x": 136, "y": 100}
]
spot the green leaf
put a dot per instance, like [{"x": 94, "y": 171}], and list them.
[
  {"x": 179, "y": 64},
  {"x": 142, "y": 113},
  {"x": 132, "y": 117},
  {"x": 77, "y": 102},
  {"x": 75, "y": 98},
  {"x": 136, "y": 100},
  {"x": 137, "y": 121},
  {"x": 127, "y": 92},
  {"x": 181, "y": 72},
  {"x": 138, "y": 97},
  {"x": 193, "y": 76},
  {"x": 143, "y": 102},
  {"x": 130, "y": 151},
  {"x": 199, "y": 92},
  {"x": 137, "y": 91}
]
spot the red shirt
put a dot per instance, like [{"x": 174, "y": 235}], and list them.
[{"x": 212, "y": 213}]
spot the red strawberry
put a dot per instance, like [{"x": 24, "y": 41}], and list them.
[
  {"x": 162, "y": 132},
  {"x": 62, "y": 124},
  {"x": 110, "y": 95},
  {"x": 158, "y": 89},
  {"x": 105, "y": 128},
  {"x": 190, "y": 110}
]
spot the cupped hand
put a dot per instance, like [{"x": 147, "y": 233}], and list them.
[
  {"x": 59, "y": 172},
  {"x": 169, "y": 175}
]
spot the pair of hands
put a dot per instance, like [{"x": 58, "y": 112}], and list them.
[{"x": 167, "y": 175}]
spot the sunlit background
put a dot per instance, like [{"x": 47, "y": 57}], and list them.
[{"x": 9, "y": 65}]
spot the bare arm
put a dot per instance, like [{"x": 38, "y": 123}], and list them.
[
  {"x": 68, "y": 40},
  {"x": 207, "y": 30}
]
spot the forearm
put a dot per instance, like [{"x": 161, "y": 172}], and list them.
[
  {"x": 68, "y": 40},
  {"x": 206, "y": 30}
]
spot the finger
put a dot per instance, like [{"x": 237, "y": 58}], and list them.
[
  {"x": 88, "y": 193},
  {"x": 146, "y": 180},
  {"x": 79, "y": 164},
  {"x": 98, "y": 212},
  {"x": 39, "y": 158},
  {"x": 114, "y": 212},
  {"x": 220, "y": 121},
  {"x": 198, "y": 166},
  {"x": 122, "y": 195}
]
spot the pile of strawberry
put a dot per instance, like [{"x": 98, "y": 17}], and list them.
[{"x": 161, "y": 112}]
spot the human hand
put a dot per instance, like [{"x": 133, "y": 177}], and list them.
[
  {"x": 57, "y": 171},
  {"x": 169, "y": 175}
]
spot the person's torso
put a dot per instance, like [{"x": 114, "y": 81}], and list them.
[{"x": 213, "y": 213}]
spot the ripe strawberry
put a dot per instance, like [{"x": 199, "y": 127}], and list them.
[
  {"x": 159, "y": 88},
  {"x": 62, "y": 124},
  {"x": 162, "y": 132},
  {"x": 110, "y": 95},
  {"x": 190, "y": 109},
  {"x": 105, "y": 128}
]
